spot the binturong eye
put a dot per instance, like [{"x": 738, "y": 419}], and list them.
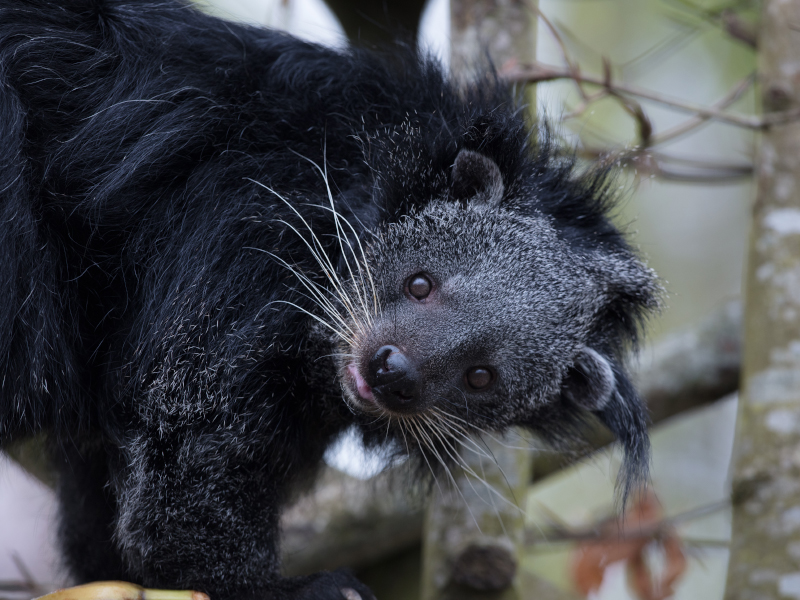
[
  {"x": 479, "y": 378},
  {"x": 419, "y": 286}
]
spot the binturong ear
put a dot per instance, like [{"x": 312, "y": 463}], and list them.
[
  {"x": 476, "y": 178},
  {"x": 602, "y": 387},
  {"x": 590, "y": 381}
]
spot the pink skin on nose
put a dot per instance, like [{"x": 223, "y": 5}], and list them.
[{"x": 364, "y": 391}]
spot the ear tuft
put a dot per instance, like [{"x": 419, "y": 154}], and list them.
[
  {"x": 625, "y": 415},
  {"x": 590, "y": 382},
  {"x": 476, "y": 178},
  {"x": 598, "y": 385}
]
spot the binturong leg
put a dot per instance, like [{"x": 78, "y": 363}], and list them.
[
  {"x": 87, "y": 513},
  {"x": 195, "y": 514}
]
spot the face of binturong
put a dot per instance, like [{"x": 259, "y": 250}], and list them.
[
  {"x": 479, "y": 313},
  {"x": 469, "y": 316}
]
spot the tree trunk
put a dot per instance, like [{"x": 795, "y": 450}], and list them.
[
  {"x": 765, "y": 551},
  {"x": 376, "y": 23},
  {"x": 474, "y": 530},
  {"x": 473, "y": 535},
  {"x": 496, "y": 31}
]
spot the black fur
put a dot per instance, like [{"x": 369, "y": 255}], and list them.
[{"x": 155, "y": 163}]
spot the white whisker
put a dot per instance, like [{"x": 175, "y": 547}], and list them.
[
  {"x": 317, "y": 250},
  {"x": 339, "y": 230},
  {"x": 453, "y": 481},
  {"x": 453, "y": 453}
]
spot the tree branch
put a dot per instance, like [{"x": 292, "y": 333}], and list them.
[{"x": 539, "y": 72}]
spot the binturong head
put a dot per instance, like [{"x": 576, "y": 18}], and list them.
[{"x": 487, "y": 309}]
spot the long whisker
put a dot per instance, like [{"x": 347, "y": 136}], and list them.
[
  {"x": 422, "y": 452},
  {"x": 468, "y": 428},
  {"x": 453, "y": 481},
  {"x": 318, "y": 290},
  {"x": 472, "y": 472},
  {"x": 453, "y": 453},
  {"x": 339, "y": 229},
  {"x": 326, "y": 307},
  {"x": 470, "y": 444},
  {"x": 328, "y": 270},
  {"x": 462, "y": 433},
  {"x": 402, "y": 431},
  {"x": 317, "y": 251},
  {"x": 386, "y": 435},
  {"x": 315, "y": 317},
  {"x": 361, "y": 263},
  {"x": 335, "y": 355},
  {"x": 363, "y": 255}
]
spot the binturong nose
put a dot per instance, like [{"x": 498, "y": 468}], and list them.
[{"x": 394, "y": 380}]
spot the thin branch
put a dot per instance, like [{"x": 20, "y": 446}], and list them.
[
  {"x": 598, "y": 532},
  {"x": 694, "y": 122},
  {"x": 738, "y": 28},
  {"x": 631, "y": 106},
  {"x": 674, "y": 168},
  {"x": 726, "y": 18},
  {"x": 721, "y": 174},
  {"x": 539, "y": 72}
]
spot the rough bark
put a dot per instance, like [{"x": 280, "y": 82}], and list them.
[
  {"x": 765, "y": 551},
  {"x": 345, "y": 521},
  {"x": 496, "y": 31},
  {"x": 474, "y": 528}
]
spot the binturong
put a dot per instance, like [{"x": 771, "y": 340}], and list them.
[{"x": 220, "y": 247}]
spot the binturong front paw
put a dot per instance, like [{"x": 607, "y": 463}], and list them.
[{"x": 331, "y": 585}]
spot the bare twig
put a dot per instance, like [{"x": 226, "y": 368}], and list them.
[
  {"x": 694, "y": 122},
  {"x": 27, "y": 576},
  {"x": 539, "y": 72},
  {"x": 700, "y": 174},
  {"x": 728, "y": 19},
  {"x": 645, "y": 161},
  {"x": 571, "y": 65},
  {"x": 26, "y": 587},
  {"x": 559, "y": 532},
  {"x": 631, "y": 106}
]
